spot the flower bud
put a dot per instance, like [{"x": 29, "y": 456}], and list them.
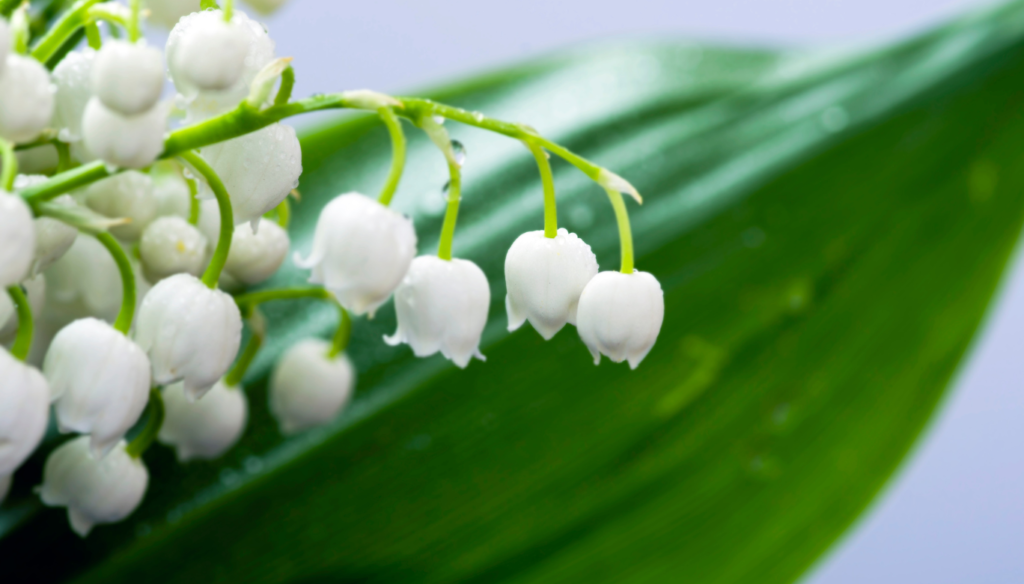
[
  {"x": 17, "y": 239},
  {"x": 308, "y": 388},
  {"x": 620, "y": 316},
  {"x": 128, "y": 77},
  {"x": 95, "y": 491},
  {"x": 442, "y": 306},
  {"x": 35, "y": 289},
  {"x": 167, "y": 13},
  {"x": 24, "y": 411},
  {"x": 124, "y": 141},
  {"x": 258, "y": 170},
  {"x": 125, "y": 195},
  {"x": 171, "y": 191},
  {"x": 53, "y": 237},
  {"x": 211, "y": 55},
  {"x": 254, "y": 257},
  {"x": 545, "y": 278},
  {"x": 27, "y": 97},
  {"x": 206, "y": 428},
  {"x": 361, "y": 251},
  {"x": 170, "y": 245},
  {"x": 191, "y": 333},
  {"x": 99, "y": 381},
  {"x": 73, "y": 79}
]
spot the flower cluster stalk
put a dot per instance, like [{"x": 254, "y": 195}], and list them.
[
  {"x": 397, "y": 154},
  {"x": 151, "y": 430},
  {"x": 127, "y": 313},
  {"x": 227, "y": 221},
  {"x": 548, "y": 182},
  {"x": 23, "y": 341}
]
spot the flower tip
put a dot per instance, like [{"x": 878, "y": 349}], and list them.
[
  {"x": 80, "y": 524},
  {"x": 612, "y": 181}
]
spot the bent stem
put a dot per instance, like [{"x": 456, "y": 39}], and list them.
[
  {"x": 145, "y": 438},
  {"x": 9, "y": 170},
  {"x": 625, "y": 232},
  {"x": 68, "y": 24},
  {"x": 451, "y": 215},
  {"x": 252, "y": 346},
  {"x": 124, "y": 317},
  {"x": 546, "y": 179},
  {"x": 193, "y": 201},
  {"x": 397, "y": 154},
  {"x": 227, "y": 221},
  {"x": 133, "y": 23},
  {"x": 23, "y": 340},
  {"x": 247, "y": 303}
]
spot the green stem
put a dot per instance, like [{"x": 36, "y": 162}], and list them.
[
  {"x": 227, "y": 220},
  {"x": 451, "y": 215},
  {"x": 248, "y": 302},
  {"x": 20, "y": 29},
  {"x": 625, "y": 233},
  {"x": 229, "y": 10},
  {"x": 134, "y": 31},
  {"x": 66, "y": 26},
  {"x": 23, "y": 340},
  {"x": 92, "y": 35},
  {"x": 154, "y": 421},
  {"x": 397, "y": 154},
  {"x": 63, "y": 155},
  {"x": 193, "y": 201},
  {"x": 284, "y": 91},
  {"x": 284, "y": 213},
  {"x": 9, "y": 170},
  {"x": 127, "y": 312},
  {"x": 548, "y": 180},
  {"x": 208, "y": 5},
  {"x": 237, "y": 372},
  {"x": 246, "y": 119}
]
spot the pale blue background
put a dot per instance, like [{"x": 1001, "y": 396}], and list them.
[{"x": 955, "y": 513}]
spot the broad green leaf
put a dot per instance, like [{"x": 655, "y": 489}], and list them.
[{"x": 828, "y": 229}]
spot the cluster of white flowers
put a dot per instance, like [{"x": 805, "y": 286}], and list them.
[{"x": 140, "y": 273}]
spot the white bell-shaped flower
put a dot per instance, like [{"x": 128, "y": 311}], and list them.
[
  {"x": 210, "y": 54},
  {"x": 170, "y": 245},
  {"x": 24, "y": 411},
  {"x": 124, "y": 141},
  {"x": 73, "y": 80},
  {"x": 191, "y": 333},
  {"x": 442, "y": 306},
  {"x": 361, "y": 251},
  {"x": 17, "y": 239},
  {"x": 35, "y": 289},
  {"x": 27, "y": 97},
  {"x": 167, "y": 13},
  {"x": 188, "y": 37},
  {"x": 254, "y": 257},
  {"x": 620, "y": 316},
  {"x": 125, "y": 195},
  {"x": 128, "y": 77},
  {"x": 545, "y": 277},
  {"x": 99, "y": 381},
  {"x": 95, "y": 491},
  {"x": 308, "y": 388},
  {"x": 206, "y": 428},
  {"x": 53, "y": 237},
  {"x": 83, "y": 282},
  {"x": 258, "y": 170},
  {"x": 266, "y": 6}
]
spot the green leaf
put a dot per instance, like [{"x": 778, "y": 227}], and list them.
[{"x": 828, "y": 228}]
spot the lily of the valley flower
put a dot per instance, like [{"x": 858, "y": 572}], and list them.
[
  {"x": 309, "y": 388},
  {"x": 258, "y": 170},
  {"x": 95, "y": 491},
  {"x": 190, "y": 332},
  {"x": 124, "y": 141},
  {"x": 24, "y": 411},
  {"x": 53, "y": 238},
  {"x": 545, "y": 278},
  {"x": 73, "y": 79},
  {"x": 125, "y": 195},
  {"x": 620, "y": 316},
  {"x": 203, "y": 429},
  {"x": 210, "y": 53},
  {"x": 17, "y": 239},
  {"x": 170, "y": 245},
  {"x": 128, "y": 77},
  {"x": 27, "y": 97},
  {"x": 254, "y": 257},
  {"x": 361, "y": 251},
  {"x": 442, "y": 306},
  {"x": 99, "y": 381}
]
